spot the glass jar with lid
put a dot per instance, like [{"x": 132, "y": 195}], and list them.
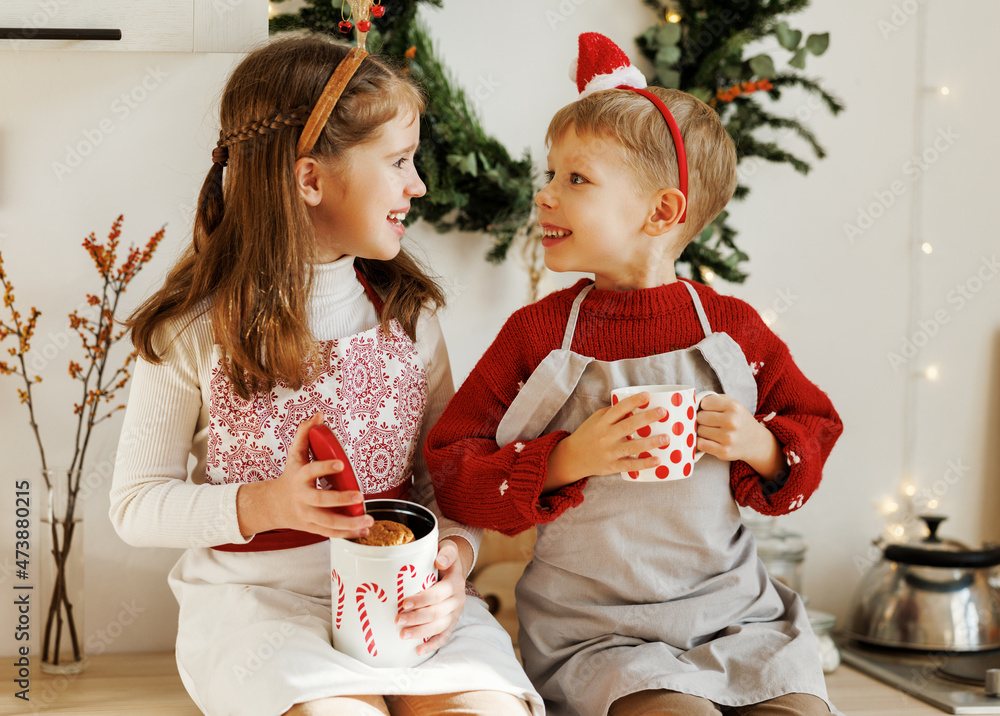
[
  {"x": 822, "y": 625},
  {"x": 782, "y": 552}
]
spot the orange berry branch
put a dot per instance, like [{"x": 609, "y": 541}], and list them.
[
  {"x": 728, "y": 95},
  {"x": 95, "y": 326}
]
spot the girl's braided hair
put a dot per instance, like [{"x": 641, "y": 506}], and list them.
[{"x": 269, "y": 125}]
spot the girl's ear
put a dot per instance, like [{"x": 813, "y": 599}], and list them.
[
  {"x": 668, "y": 208},
  {"x": 308, "y": 173}
]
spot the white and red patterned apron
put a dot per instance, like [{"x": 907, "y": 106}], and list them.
[
  {"x": 254, "y": 630},
  {"x": 651, "y": 585},
  {"x": 371, "y": 387}
]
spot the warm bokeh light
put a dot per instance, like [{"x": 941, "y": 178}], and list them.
[{"x": 888, "y": 506}]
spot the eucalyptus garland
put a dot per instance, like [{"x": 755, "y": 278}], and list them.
[{"x": 699, "y": 46}]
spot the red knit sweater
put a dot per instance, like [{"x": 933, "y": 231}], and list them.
[{"x": 500, "y": 489}]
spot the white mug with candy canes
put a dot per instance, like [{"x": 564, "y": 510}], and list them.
[
  {"x": 370, "y": 583},
  {"x": 680, "y": 425}
]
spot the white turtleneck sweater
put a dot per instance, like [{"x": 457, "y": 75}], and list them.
[{"x": 158, "y": 498}]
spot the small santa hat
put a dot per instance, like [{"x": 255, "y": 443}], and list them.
[{"x": 602, "y": 65}]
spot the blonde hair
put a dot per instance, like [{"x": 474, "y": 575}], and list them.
[
  {"x": 253, "y": 240},
  {"x": 636, "y": 125}
]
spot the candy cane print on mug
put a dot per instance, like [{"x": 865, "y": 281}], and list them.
[
  {"x": 366, "y": 624},
  {"x": 399, "y": 584},
  {"x": 680, "y": 425},
  {"x": 340, "y": 597}
]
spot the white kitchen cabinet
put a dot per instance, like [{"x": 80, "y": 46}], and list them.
[{"x": 142, "y": 25}]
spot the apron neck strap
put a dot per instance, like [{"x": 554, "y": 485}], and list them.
[
  {"x": 706, "y": 327},
  {"x": 573, "y": 314},
  {"x": 374, "y": 297}
]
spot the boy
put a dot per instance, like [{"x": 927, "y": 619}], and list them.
[{"x": 641, "y": 597}]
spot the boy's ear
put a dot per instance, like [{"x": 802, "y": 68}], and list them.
[
  {"x": 307, "y": 179},
  {"x": 668, "y": 208}
]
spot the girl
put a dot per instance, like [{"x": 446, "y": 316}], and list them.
[{"x": 295, "y": 302}]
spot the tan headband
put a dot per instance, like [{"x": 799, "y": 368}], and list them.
[{"x": 328, "y": 100}]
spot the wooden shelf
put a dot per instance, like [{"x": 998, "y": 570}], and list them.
[{"x": 148, "y": 684}]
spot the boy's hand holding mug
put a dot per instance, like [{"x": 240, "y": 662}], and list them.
[
  {"x": 603, "y": 444},
  {"x": 727, "y": 430},
  {"x": 676, "y": 453}
]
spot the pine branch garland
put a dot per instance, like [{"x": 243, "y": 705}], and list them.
[
  {"x": 756, "y": 116},
  {"x": 834, "y": 105},
  {"x": 769, "y": 151}
]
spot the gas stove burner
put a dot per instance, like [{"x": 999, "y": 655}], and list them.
[
  {"x": 970, "y": 668},
  {"x": 955, "y": 682}
]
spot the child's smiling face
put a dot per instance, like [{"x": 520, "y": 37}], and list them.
[
  {"x": 596, "y": 219},
  {"x": 366, "y": 196}
]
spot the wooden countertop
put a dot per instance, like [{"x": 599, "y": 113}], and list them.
[
  {"x": 148, "y": 684},
  {"x": 858, "y": 694}
]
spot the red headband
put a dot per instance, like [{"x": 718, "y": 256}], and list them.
[
  {"x": 602, "y": 65},
  {"x": 675, "y": 132}
]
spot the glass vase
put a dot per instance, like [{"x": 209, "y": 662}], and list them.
[{"x": 62, "y": 561}]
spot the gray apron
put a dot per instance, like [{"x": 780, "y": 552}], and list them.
[{"x": 651, "y": 585}]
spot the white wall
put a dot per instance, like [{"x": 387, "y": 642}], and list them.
[{"x": 842, "y": 306}]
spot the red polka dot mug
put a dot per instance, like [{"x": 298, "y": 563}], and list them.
[{"x": 678, "y": 455}]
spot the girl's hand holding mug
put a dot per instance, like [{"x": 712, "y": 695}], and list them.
[{"x": 433, "y": 613}]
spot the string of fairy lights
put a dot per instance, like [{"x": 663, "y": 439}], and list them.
[{"x": 903, "y": 510}]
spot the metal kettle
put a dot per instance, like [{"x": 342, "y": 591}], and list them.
[{"x": 932, "y": 595}]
